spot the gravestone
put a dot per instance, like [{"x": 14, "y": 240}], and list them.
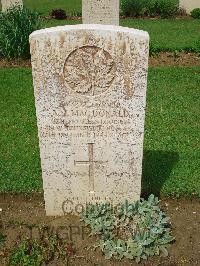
[
  {"x": 189, "y": 5},
  {"x": 90, "y": 91},
  {"x": 6, "y": 4},
  {"x": 100, "y": 12}
]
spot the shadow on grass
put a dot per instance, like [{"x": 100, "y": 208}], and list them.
[{"x": 157, "y": 166}]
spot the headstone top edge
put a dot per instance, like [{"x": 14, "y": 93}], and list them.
[{"x": 52, "y": 30}]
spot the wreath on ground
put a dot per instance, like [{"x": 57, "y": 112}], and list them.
[{"x": 131, "y": 230}]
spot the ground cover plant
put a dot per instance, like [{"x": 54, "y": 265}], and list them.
[
  {"x": 131, "y": 230},
  {"x": 39, "y": 251},
  {"x": 171, "y": 158}
]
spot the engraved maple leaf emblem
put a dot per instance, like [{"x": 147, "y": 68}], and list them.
[{"x": 89, "y": 70}]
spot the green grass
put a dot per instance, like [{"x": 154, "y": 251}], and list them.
[
  {"x": 165, "y": 34},
  {"x": 171, "y": 158},
  {"x": 169, "y": 34},
  {"x": 45, "y": 6},
  {"x": 19, "y": 158}
]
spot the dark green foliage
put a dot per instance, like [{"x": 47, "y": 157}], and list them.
[
  {"x": 39, "y": 251},
  {"x": 27, "y": 254},
  {"x": 162, "y": 8},
  {"x": 133, "y": 7},
  {"x": 76, "y": 13},
  {"x": 153, "y": 49},
  {"x": 15, "y": 27},
  {"x": 58, "y": 14},
  {"x": 130, "y": 230},
  {"x": 195, "y": 13}
]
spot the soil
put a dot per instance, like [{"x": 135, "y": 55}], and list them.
[
  {"x": 14, "y": 63},
  {"x": 161, "y": 59},
  {"x": 175, "y": 59},
  {"x": 19, "y": 211},
  {"x": 184, "y": 15}
]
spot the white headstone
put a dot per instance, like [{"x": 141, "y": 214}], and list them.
[
  {"x": 100, "y": 12},
  {"x": 189, "y": 5},
  {"x": 6, "y": 4},
  {"x": 90, "y": 91}
]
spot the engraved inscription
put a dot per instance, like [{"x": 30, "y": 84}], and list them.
[
  {"x": 90, "y": 93},
  {"x": 91, "y": 120},
  {"x": 89, "y": 70},
  {"x": 90, "y": 163}
]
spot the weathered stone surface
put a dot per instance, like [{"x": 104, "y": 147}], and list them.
[
  {"x": 9, "y": 3},
  {"x": 90, "y": 91},
  {"x": 100, "y": 12}
]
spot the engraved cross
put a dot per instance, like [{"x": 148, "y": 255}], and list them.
[{"x": 91, "y": 164}]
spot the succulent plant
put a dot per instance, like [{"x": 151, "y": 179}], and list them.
[{"x": 132, "y": 230}]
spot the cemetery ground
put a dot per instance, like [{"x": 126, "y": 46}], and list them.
[
  {"x": 171, "y": 148},
  {"x": 171, "y": 157},
  {"x": 170, "y": 168},
  {"x": 21, "y": 211}
]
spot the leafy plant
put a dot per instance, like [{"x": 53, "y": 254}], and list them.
[
  {"x": 58, "y": 14},
  {"x": 132, "y": 230},
  {"x": 163, "y": 8},
  {"x": 76, "y": 13},
  {"x": 133, "y": 7},
  {"x": 154, "y": 50},
  {"x": 195, "y": 13},
  {"x": 39, "y": 251},
  {"x": 15, "y": 27}
]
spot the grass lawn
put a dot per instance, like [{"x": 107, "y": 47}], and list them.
[
  {"x": 45, "y": 6},
  {"x": 165, "y": 34},
  {"x": 171, "y": 158}
]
